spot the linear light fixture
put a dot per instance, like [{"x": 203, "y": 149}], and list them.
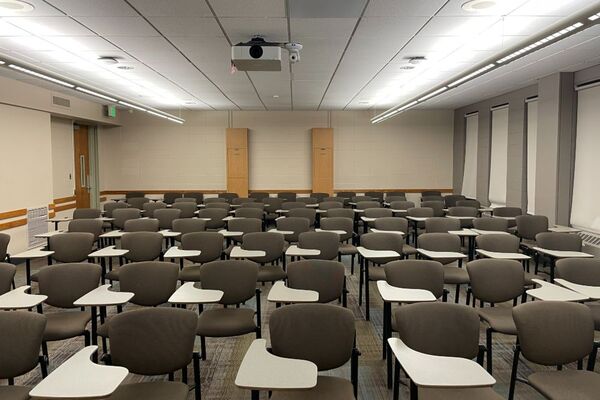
[
  {"x": 126, "y": 104},
  {"x": 538, "y": 43},
  {"x": 471, "y": 75},
  {"x": 42, "y": 76},
  {"x": 90, "y": 92},
  {"x": 434, "y": 93},
  {"x": 96, "y": 94}
]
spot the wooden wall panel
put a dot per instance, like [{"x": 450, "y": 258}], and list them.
[
  {"x": 322, "y": 160},
  {"x": 237, "y": 161}
]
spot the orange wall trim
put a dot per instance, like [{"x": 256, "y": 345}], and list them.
[
  {"x": 393, "y": 190},
  {"x": 13, "y": 224},
  {"x": 65, "y": 207},
  {"x": 14, "y": 213},
  {"x": 63, "y": 200},
  {"x": 161, "y": 191}
]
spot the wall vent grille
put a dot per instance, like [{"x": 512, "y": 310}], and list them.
[
  {"x": 37, "y": 223},
  {"x": 590, "y": 239},
  {"x": 61, "y": 101}
]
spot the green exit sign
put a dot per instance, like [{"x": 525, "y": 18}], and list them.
[{"x": 110, "y": 111}]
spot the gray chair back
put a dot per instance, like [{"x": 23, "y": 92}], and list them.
[
  {"x": 583, "y": 271},
  {"x": 496, "y": 281},
  {"x": 20, "y": 341},
  {"x": 328, "y": 205},
  {"x": 323, "y": 276},
  {"x": 222, "y": 205},
  {"x": 293, "y": 224},
  {"x": 138, "y": 202},
  {"x": 255, "y": 213},
  {"x": 113, "y": 205},
  {"x": 169, "y": 198},
  {"x": 416, "y": 274},
  {"x": 559, "y": 241},
  {"x": 7, "y": 274},
  {"x": 152, "y": 282},
  {"x": 149, "y": 208},
  {"x": 469, "y": 203},
  {"x": 378, "y": 213},
  {"x": 308, "y": 213},
  {"x": 228, "y": 196},
  {"x": 568, "y": 331},
  {"x": 441, "y": 224},
  {"x": 142, "y": 246},
  {"x": 188, "y": 208},
  {"x": 339, "y": 224},
  {"x": 319, "y": 196},
  {"x": 383, "y": 241},
  {"x": 363, "y": 205},
  {"x": 436, "y": 206},
  {"x": 188, "y": 225},
  {"x": 327, "y": 242},
  {"x": 86, "y": 213},
  {"x": 528, "y": 226},
  {"x": 491, "y": 224},
  {"x": 253, "y": 204},
  {"x": 499, "y": 242},
  {"x": 4, "y": 241},
  {"x": 166, "y": 217},
  {"x": 242, "y": 200},
  {"x": 142, "y": 225},
  {"x": 391, "y": 224},
  {"x": 451, "y": 199},
  {"x": 216, "y": 216},
  {"x": 270, "y": 242},
  {"x": 290, "y": 205},
  {"x": 340, "y": 213},
  {"x": 93, "y": 226},
  {"x": 65, "y": 283},
  {"x": 441, "y": 329},
  {"x": 169, "y": 332},
  {"x": 210, "y": 245},
  {"x": 287, "y": 196},
  {"x": 236, "y": 278},
  {"x": 124, "y": 214},
  {"x": 71, "y": 247},
  {"x": 293, "y": 334}
]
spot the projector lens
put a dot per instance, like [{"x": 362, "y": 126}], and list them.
[{"x": 256, "y": 51}]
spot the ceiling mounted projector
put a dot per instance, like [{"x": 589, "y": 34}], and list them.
[{"x": 260, "y": 55}]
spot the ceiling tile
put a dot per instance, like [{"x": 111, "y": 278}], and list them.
[
  {"x": 243, "y": 29},
  {"x": 119, "y": 26},
  {"x": 179, "y": 8},
  {"x": 50, "y": 26},
  {"x": 395, "y": 8},
  {"x": 187, "y": 26},
  {"x": 94, "y": 8},
  {"x": 249, "y": 8}
]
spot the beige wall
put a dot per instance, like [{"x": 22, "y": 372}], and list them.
[
  {"x": 151, "y": 153},
  {"x": 279, "y": 147},
  {"x": 413, "y": 150},
  {"x": 62, "y": 157},
  {"x": 25, "y": 165}
]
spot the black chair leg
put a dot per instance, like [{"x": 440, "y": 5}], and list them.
[
  {"x": 457, "y": 294},
  {"x": 203, "y": 347},
  {"x": 488, "y": 343},
  {"x": 396, "y": 380},
  {"x": 513, "y": 374},
  {"x": 196, "y": 361},
  {"x": 45, "y": 353}
]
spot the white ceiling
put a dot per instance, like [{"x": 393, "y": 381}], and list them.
[{"x": 353, "y": 57}]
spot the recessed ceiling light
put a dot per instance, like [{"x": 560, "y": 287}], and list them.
[
  {"x": 11, "y": 7},
  {"x": 479, "y": 5}
]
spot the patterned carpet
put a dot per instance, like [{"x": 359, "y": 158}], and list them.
[{"x": 224, "y": 355}]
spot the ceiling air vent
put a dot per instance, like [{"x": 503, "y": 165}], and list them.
[{"x": 61, "y": 101}]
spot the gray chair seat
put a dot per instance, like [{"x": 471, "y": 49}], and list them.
[
  {"x": 347, "y": 249},
  {"x": 151, "y": 391},
  {"x": 499, "y": 319},
  {"x": 34, "y": 278},
  {"x": 14, "y": 392},
  {"x": 595, "y": 308},
  {"x": 328, "y": 387},
  {"x": 456, "y": 275},
  {"x": 190, "y": 273},
  {"x": 270, "y": 273},
  {"x": 113, "y": 275},
  {"x": 486, "y": 393},
  {"x": 226, "y": 322},
  {"x": 566, "y": 384},
  {"x": 376, "y": 273},
  {"x": 65, "y": 325},
  {"x": 408, "y": 250}
]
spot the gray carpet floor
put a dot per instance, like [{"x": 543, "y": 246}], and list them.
[{"x": 224, "y": 355}]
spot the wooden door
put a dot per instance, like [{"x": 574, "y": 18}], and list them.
[
  {"x": 322, "y": 160},
  {"x": 82, "y": 166},
  {"x": 237, "y": 161}
]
